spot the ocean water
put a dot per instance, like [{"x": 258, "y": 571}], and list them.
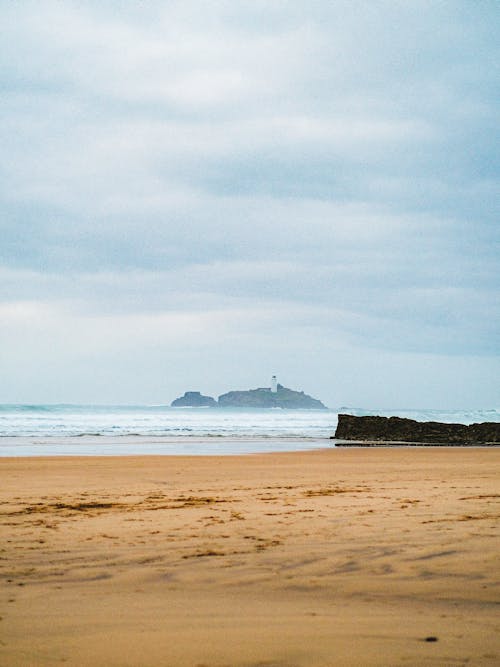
[{"x": 31, "y": 430}]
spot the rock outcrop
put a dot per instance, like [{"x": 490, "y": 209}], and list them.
[
  {"x": 397, "y": 429},
  {"x": 194, "y": 399},
  {"x": 265, "y": 398}
]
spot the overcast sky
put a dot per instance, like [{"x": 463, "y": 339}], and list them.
[{"x": 197, "y": 195}]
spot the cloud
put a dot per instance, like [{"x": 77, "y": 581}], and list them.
[{"x": 324, "y": 172}]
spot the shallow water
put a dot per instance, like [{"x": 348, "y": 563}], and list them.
[
  {"x": 84, "y": 430},
  {"x": 128, "y": 445}
]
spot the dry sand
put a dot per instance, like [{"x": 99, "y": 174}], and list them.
[{"x": 335, "y": 557}]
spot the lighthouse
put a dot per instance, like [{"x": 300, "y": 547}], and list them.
[{"x": 274, "y": 384}]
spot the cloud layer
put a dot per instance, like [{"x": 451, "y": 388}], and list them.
[{"x": 206, "y": 193}]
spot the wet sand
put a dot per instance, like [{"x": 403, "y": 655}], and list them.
[{"x": 327, "y": 558}]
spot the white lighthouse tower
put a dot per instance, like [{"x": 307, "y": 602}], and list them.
[{"x": 274, "y": 384}]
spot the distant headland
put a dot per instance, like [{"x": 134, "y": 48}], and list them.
[{"x": 275, "y": 396}]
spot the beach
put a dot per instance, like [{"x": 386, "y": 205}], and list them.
[{"x": 330, "y": 557}]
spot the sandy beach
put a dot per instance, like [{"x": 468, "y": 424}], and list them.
[{"x": 325, "y": 558}]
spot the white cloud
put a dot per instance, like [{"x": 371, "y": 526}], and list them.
[{"x": 230, "y": 185}]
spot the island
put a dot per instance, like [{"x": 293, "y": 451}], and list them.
[
  {"x": 373, "y": 430},
  {"x": 194, "y": 399},
  {"x": 275, "y": 396},
  {"x": 263, "y": 397}
]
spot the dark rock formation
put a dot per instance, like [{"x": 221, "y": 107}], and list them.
[
  {"x": 265, "y": 398},
  {"x": 396, "y": 429},
  {"x": 194, "y": 399}
]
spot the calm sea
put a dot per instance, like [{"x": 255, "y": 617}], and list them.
[{"x": 46, "y": 430}]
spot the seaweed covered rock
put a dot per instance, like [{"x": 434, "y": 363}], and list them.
[{"x": 397, "y": 429}]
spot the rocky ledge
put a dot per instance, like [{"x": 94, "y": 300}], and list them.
[{"x": 369, "y": 430}]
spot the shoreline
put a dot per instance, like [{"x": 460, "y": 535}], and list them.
[
  {"x": 391, "y": 443},
  {"x": 106, "y": 446},
  {"x": 132, "y": 445},
  {"x": 345, "y": 556}
]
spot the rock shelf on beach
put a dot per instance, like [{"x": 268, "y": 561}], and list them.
[{"x": 371, "y": 430}]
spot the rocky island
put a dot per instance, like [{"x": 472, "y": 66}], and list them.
[
  {"x": 265, "y": 398},
  {"x": 275, "y": 396},
  {"x": 194, "y": 399}
]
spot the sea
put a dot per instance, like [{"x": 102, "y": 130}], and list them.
[{"x": 119, "y": 430}]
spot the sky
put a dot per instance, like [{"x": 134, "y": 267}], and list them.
[{"x": 198, "y": 195}]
